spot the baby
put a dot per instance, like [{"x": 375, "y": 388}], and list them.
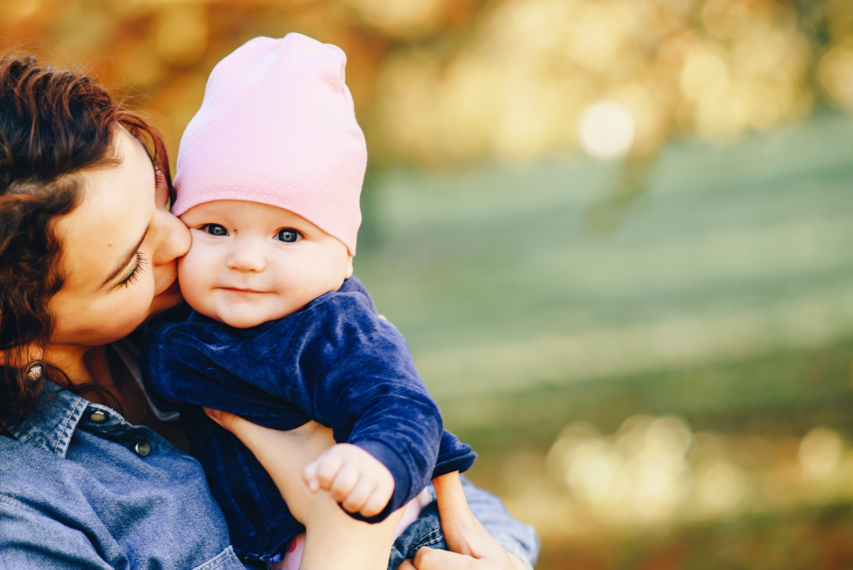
[{"x": 269, "y": 176}]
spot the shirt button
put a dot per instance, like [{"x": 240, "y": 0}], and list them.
[
  {"x": 98, "y": 417},
  {"x": 143, "y": 448}
]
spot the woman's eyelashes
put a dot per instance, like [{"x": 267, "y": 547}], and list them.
[
  {"x": 159, "y": 177},
  {"x": 288, "y": 235},
  {"x": 137, "y": 270},
  {"x": 215, "y": 230},
  {"x": 161, "y": 187}
]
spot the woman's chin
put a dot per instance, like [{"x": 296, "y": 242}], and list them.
[
  {"x": 170, "y": 289},
  {"x": 171, "y": 297}
]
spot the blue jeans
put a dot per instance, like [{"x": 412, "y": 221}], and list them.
[
  {"x": 513, "y": 535},
  {"x": 426, "y": 531}
]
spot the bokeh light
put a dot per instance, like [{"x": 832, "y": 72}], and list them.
[
  {"x": 656, "y": 471},
  {"x": 606, "y": 130}
]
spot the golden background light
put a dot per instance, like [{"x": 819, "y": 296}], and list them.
[
  {"x": 606, "y": 130},
  {"x": 440, "y": 82}
]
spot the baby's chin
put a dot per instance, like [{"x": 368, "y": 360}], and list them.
[{"x": 243, "y": 316}]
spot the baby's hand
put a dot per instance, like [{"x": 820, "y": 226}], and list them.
[{"x": 355, "y": 479}]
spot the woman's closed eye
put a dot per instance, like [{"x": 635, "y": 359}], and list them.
[
  {"x": 288, "y": 235},
  {"x": 215, "y": 230},
  {"x": 137, "y": 270}
]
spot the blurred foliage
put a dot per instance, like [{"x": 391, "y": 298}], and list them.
[
  {"x": 676, "y": 395},
  {"x": 754, "y": 483},
  {"x": 442, "y": 82},
  {"x": 640, "y": 396}
]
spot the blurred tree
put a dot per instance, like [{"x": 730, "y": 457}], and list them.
[{"x": 443, "y": 82}]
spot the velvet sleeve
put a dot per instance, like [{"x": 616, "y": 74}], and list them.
[
  {"x": 358, "y": 377},
  {"x": 334, "y": 362}
]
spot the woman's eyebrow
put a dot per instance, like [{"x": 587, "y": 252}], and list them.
[{"x": 127, "y": 259}]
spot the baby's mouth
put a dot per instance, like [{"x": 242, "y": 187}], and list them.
[{"x": 240, "y": 290}]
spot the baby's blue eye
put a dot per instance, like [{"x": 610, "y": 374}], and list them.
[
  {"x": 215, "y": 230},
  {"x": 288, "y": 235}
]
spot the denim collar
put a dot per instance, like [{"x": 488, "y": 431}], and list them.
[{"x": 53, "y": 422}]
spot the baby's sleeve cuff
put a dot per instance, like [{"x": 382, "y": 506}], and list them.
[{"x": 403, "y": 492}]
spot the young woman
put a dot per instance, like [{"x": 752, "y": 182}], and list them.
[{"x": 91, "y": 476}]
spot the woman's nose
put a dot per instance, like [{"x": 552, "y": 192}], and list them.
[
  {"x": 246, "y": 255},
  {"x": 173, "y": 238}
]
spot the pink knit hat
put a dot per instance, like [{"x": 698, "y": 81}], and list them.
[{"x": 277, "y": 126}]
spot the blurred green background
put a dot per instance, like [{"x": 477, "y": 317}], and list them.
[{"x": 616, "y": 233}]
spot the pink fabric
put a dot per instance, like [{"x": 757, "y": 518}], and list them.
[
  {"x": 277, "y": 126},
  {"x": 293, "y": 556}
]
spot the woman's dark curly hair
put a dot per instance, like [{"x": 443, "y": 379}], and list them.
[{"x": 53, "y": 126}]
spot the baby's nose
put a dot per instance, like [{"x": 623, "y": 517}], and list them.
[{"x": 246, "y": 257}]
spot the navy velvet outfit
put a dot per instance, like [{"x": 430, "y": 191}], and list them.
[{"x": 334, "y": 362}]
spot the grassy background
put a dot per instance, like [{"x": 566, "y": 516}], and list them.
[{"x": 534, "y": 296}]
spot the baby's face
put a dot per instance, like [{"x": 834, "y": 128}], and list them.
[{"x": 250, "y": 263}]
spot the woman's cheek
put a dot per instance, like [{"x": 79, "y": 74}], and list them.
[{"x": 127, "y": 314}]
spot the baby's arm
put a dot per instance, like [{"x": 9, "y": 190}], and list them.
[
  {"x": 357, "y": 376},
  {"x": 354, "y": 478}
]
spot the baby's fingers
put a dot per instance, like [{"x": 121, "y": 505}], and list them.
[
  {"x": 309, "y": 475},
  {"x": 355, "y": 500},
  {"x": 330, "y": 464},
  {"x": 321, "y": 473},
  {"x": 345, "y": 481},
  {"x": 379, "y": 499}
]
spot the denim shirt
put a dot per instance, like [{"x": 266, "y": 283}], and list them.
[
  {"x": 82, "y": 488},
  {"x": 79, "y": 491}
]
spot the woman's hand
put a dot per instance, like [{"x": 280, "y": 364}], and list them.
[
  {"x": 284, "y": 454},
  {"x": 471, "y": 546},
  {"x": 333, "y": 539}
]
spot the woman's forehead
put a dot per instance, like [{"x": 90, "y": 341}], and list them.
[{"x": 114, "y": 213}]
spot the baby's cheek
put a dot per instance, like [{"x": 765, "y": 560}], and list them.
[{"x": 195, "y": 279}]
